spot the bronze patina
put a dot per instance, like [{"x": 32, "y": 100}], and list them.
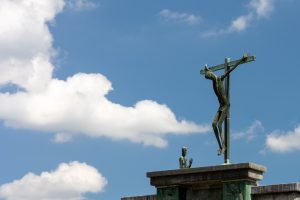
[
  {"x": 183, "y": 161},
  {"x": 221, "y": 90}
]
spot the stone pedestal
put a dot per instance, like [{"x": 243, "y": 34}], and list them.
[
  {"x": 289, "y": 191},
  {"x": 221, "y": 182}
]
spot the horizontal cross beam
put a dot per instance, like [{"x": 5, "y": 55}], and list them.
[{"x": 230, "y": 64}]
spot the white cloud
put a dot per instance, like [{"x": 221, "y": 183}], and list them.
[
  {"x": 249, "y": 133},
  {"x": 78, "y": 5},
  {"x": 25, "y": 42},
  {"x": 172, "y": 16},
  {"x": 70, "y": 181},
  {"x": 62, "y": 137},
  {"x": 281, "y": 142},
  {"x": 240, "y": 23},
  {"x": 262, "y": 8},
  {"x": 257, "y": 10},
  {"x": 77, "y": 105}
]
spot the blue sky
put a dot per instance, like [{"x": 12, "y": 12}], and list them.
[{"x": 94, "y": 94}]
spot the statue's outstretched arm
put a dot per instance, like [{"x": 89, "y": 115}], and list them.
[{"x": 235, "y": 66}]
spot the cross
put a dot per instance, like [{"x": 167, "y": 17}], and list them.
[{"x": 228, "y": 65}]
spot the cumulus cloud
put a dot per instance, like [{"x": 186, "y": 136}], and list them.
[
  {"x": 281, "y": 141},
  {"x": 257, "y": 9},
  {"x": 70, "y": 181},
  {"x": 79, "y": 5},
  {"x": 77, "y": 105},
  {"x": 25, "y": 42},
  {"x": 240, "y": 23},
  {"x": 249, "y": 133},
  {"x": 172, "y": 16},
  {"x": 262, "y": 8},
  {"x": 62, "y": 138}
]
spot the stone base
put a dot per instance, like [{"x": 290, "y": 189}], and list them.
[
  {"x": 221, "y": 182},
  {"x": 290, "y": 191}
]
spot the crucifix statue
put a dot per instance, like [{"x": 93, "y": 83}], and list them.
[{"x": 222, "y": 92}]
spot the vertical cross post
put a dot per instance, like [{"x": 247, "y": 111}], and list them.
[{"x": 227, "y": 121}]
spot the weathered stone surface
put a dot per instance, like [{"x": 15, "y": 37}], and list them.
[
  {"x": 148, "y": 197},
  {"x": 204, "y": 194},
  {"x": 289, "y": 196},
  {"x": 280, "y": 188},
  {"x": 290, "y": 191},
  {"x": 207, "y": 175}
]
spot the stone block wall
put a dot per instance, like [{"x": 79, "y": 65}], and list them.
[
  {"x": 290, "y": 191},
  {"x": 148, "y": 197}
]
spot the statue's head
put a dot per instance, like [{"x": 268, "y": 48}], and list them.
[
  {"x": 208, "y": 73},
  {"x": 184, "y": 151}
]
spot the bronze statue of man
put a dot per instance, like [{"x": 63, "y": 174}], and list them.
[
  {"x": 183, "y": 161},
  {"x": 222, "y": 112}
]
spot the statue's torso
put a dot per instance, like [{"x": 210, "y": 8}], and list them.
[
  {"x": 219, "y": 91},
  {"x": 182, "y": 162}
]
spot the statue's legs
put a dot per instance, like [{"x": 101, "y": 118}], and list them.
[
  {"x": 216, "y": 131},
  {"x": 223, "y": 113}
]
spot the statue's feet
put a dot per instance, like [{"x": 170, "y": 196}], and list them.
[{"x": 221, "y": 151}]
